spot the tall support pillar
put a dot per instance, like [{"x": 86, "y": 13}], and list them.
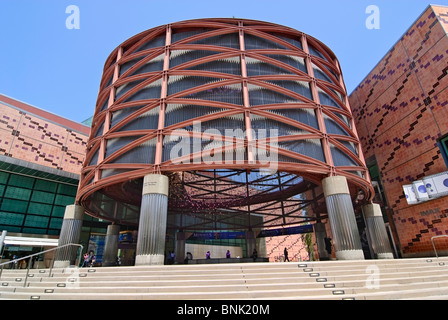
[
  {"x": 343, "y": 225},
  {"x": 377, "y": 231},
  {"x": 180, "y": 247},
  {"x": 153, "y": 219},
  {"x": 70, "y": 233},
  {"x": 2, "y": 241},
  {"x": 321, "y": 234},
  {"x": 250, "y": 243},
  {"x": 111, "y": 246}
]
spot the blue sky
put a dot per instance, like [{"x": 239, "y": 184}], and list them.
[{"x": 47, "y": 65}]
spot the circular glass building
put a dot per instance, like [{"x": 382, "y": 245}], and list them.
[{"x": 228, "y": 124}]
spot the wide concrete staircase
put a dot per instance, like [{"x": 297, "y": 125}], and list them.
[{"x": 422, "y": 278}]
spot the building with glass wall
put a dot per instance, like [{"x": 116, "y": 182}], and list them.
[{"x": 41, "y": 155}]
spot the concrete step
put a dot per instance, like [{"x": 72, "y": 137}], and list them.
[
  {"x": 323, "y": 280},
  {"x": 385, "y": 293}
]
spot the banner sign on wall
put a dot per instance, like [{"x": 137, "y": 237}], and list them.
[
  {"x": 217, "y": 235},
  {"x": 97, "y": 243},
  {"x": 308, "y": 228}
]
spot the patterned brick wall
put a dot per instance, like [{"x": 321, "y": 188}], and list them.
[
  {"x": 401, "y": 109},
  {"x": 33, "y": 138}
]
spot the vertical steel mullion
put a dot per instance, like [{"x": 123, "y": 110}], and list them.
[
  {"x": 353, "y": 124},
  {"x": 319, "y": 112},
  {"x": 250, "y": 151},
  {"x": 102, "y": 148},
  {"x": 163, "y": 95}
]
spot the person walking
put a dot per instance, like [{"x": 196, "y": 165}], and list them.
[
  {"x": 255, "y": 254},
  {"x": 285, "y": 252},
  {"x": 89, "y": 259},
  {"x": 328, "y": 245}
]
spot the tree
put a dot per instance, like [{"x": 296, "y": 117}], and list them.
[{"x": 307, "y": 240}]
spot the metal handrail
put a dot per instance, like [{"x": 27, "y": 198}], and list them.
[
  {"x": 432, "y": 241},
  {"x": 36, "y": 254}
]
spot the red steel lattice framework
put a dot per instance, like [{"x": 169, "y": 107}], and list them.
[{"x": 159, "y": 84}]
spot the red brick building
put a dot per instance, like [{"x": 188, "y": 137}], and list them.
[
  {"x": 40, "y": 137},
  {"x": 401, "y": 114}
]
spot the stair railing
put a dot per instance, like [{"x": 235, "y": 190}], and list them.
[
  {"x": 432, "y": 240},
  {"x": 30, "y": 257}
]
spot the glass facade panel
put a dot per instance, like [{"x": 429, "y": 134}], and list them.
[
  {"x": 315, "y": 52},
  {"x": 14, "y": 205},
  {"x": 42, "y": 196},
  {"x": 4, "y": 177},
  {"x": 293, "y": 61},
  {"x": 229, "y": 66},
  {"x": 259, "y": 68},
  {"x": 272, "y": 127},
  {"x": 230, "y": 40},
  {"x": 146, "y": 121},
  {"x": 294, "y": 41},
  {"x": 129, "y": 64},
  {"x": 150, "y": 91},
  {"x": 120, "y": 114},
  {"x": 45, "y": 185},
  {"x": 33, "y": 205},
  {"x": 121, "y": 90},
  {"x": 21, "y": 181},
  {"x": 325, "y": 99},
  {"x": 340, "y": 158},
  {"x": 36, "y": 221},
  {"x": 180, "y": 34},
  {"x": 229, "y": 94},
  {"x": 63, "y": 200},
  {"x": 181, "y": 56},
  {"x": 176, "y": 113},
  {"x": 300, "y": 87},
  {"x": 151, "y": 66},
  {"x": 144, "y": 153},
  {"x": 310, "y": 147},
  {"x": 116, "y": 144},
  {"x": 39, "y": 208},
  {"x": 17, "y": 193},
  {"x": 181, "y": 83},
  {"x": 261, "y": 96},
  {"x": 306, "y": 116},
  {"x": 333, "y": 127},
  {"x": 254, "y": 42},
  {"x": 319, "y": 74},
  {"x": 158, "y": 41}
]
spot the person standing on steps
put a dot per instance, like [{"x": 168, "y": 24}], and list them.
[
  {"x": 285, "y": 252},
  {"x": 89, "y": 259},
  {"x": 328, "y": 245}
]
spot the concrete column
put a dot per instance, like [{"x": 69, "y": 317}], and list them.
[
  {"x": 70, "y": 233},
  {"x": 321, "y": 233},
  {"x": 343, "y": 225},
  {"x": 377, "y": 231},
  {"x": 180, "y": 247},
  {"x": 2, "y": 240},
  {"x": 153, "y": 219},
  {"x": 250, "y": 243},
  {"x": 111, "y": 246}
]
